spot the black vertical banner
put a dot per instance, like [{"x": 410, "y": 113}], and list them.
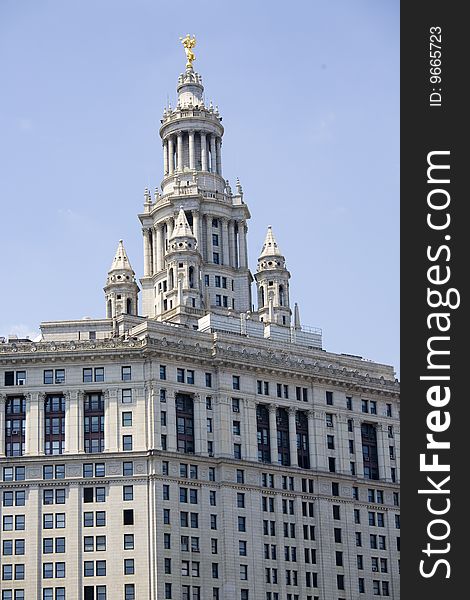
[{"x": 435, "y": 257}]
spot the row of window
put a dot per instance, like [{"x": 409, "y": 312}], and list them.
[
  {"x": 193, "y": 592},
  {"x": 97, "y": 592},
  {"x": 57, "y": 376},
  {"x": 96, "y": 374},
  {"x": 58, "y": 471}
]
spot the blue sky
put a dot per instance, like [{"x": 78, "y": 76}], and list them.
[{"x": 309, "y": 94}]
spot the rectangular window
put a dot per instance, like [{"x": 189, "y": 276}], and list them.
[
  {"x": 48, "y": 376},
  {"x": 163, "y": 372},
  {"x": 126, "y": 419},
  {"x": 127, "y": 442},
  {"x": 126, "y": 373},
  {"x": 208, "y": 377},
  {"x": 126, "y": 396},
  {"x": 128, "y": 516},
  {"x": 329, "y": 398},
  {"x": 236, "y": 382}
]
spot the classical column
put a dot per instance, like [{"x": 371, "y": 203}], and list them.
[
  {"x": 81, "y": 423},
  {"x": 40, "y": 421},
  {"x": 231, "y": 243},
  {"x": 145, "y": 231},
  {"x": 111, "y": 422},
  {"x": 71, "y": 423},
  {"x": 342, "y": 441},
  {"x": 200, "y": 425},
  {"x": 171, "y": 155},
  {"x": 320, "y": 438},
  {"x": 222, "y": 426},
  {"x": 273, "y": 433},
  {"x": 213, "y": 154},
  {"x": 294, "y": 460},
  {"x": 192, "y": 162},
  {"x": 179, "y": 151},
  {"x": 165, "y": 157},
  {"x": 196, "y": 228},
  {"x": 159, "y": 247},
  {"x": 225, "y": 243},
  {"x": 3, "y": 399},
  {"x": 250, "y": 429},
  {"x": 397, "y": 450},
  {"x": 155, "y": 249},
  {"x": 203, "y": 152},
  {"x": 358, "y": 448},
  {"x": 218, "y": 154},
  {"x": 171, "y": 424},
  {"x": 311, "y": 439},
  {"x": 383, "y": 453},
  {"x": 242, "y": 242}
]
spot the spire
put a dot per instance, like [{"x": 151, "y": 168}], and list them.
[
  {"x": 121, "y": 261},
  {"x": 296, "y": 317},
  {"x": 181, "y": 228},
  {"x": 121, "y": 290},
  {"x": 272, "y": 281},
  {"x": 270, "y": 247}
]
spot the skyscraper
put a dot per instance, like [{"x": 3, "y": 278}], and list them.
[{"x": 197, "y": 448}]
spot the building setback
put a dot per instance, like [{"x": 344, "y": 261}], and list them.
[{"x": 197, "y": 449}]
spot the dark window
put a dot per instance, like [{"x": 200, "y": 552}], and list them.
[
  {"x": 94, "y": 422},
  {"x": 283, "y": 444},
  {"x": 185, "y": 423},
  {"x": 15, "y": 426},
  {"x": 54, "y": 439},
  {"x": 369, "y": 451},
  {"x": 128, "y": 516}
]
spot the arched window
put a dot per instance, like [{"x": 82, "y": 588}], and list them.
[
  {"x": 281, "y": 295},
  {"x": 191, "y": 277},
  {"x": 262, "y": 296},
  {"x": 110, "y": 309},
  {"x": 129, "y": 306},
  {"x": 172, "y": 279}
]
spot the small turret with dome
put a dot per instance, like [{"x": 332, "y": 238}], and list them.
[
  {"x": 121, "y": 290},
  {"x": 272, "y": 281}
]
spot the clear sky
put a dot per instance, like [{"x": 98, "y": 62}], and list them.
[{"x": 309, "y": 94}]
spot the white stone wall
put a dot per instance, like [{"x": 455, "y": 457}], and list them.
[{"x": 222, "y": 355}]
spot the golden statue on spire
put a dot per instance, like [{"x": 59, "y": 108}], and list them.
[{"x": 189, "y": 44}]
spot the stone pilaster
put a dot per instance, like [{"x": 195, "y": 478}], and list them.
[
  {"x": 171, "y": 155},
  {"x": 294, "y": 460},
  {"x": 204, "y": 161},
  {"x": 171, "y": 424},
  {"x": 273, "y": 433},
  {"x": 250, "y": 429},
  {"x": 311, "y": 439},
  {"x": 213, "y": 154},
  {"x": 225, "y": 243},
  {"x": 192, "y": 162},
  {"x": 179, "y": 151}
]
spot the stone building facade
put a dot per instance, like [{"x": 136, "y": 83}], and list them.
[{"x": 197, "y": 449}]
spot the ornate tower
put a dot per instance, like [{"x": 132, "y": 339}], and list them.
[
  {"x": 272, "y": 281},
  {"x": 192, "y": 181},
  {"x": 121, "y": 290}
]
